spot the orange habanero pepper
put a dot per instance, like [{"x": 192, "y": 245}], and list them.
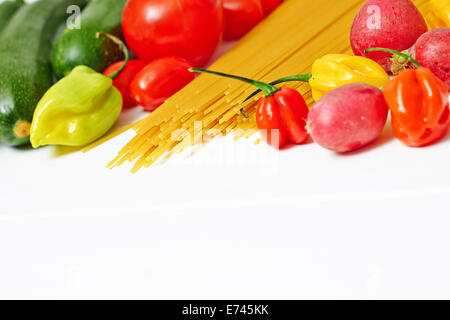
[{"x": 419, "y": 106}]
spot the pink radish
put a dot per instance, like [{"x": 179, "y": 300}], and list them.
[
  {"x": 432, "y": 50},
  {"x": 348, "y": 118},
  {"x": 392, "y": 24}
]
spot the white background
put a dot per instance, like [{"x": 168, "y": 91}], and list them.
[{"x": 234, "y": 220}]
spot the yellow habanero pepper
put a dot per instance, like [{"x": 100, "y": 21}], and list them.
[
  {"x": 439, "y": 14},
  {"x": 335, "y": 70},
  {"x": 78, "y": 109}
]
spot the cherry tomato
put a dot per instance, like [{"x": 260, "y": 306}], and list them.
[
  {"x": 241, "y": 16},
  {"x": 124, "y": 79},
  {"x": 191, "y": 29},
  {"x": 159, "y": 80},
  {"x": 270, "y": 5}
]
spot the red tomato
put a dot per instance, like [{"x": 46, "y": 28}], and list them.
[
  {"x": 159, "y": 80},
  {"x": 270, "y": 5},
  {"x": 124, "y": 79},
  {"x": 241, "y": 16},
  {"x": 191, "y": 29}
]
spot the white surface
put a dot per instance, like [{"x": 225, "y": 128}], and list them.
[
  {"x": 303, "y": 223},
  {"x": 235, "y": 220}
]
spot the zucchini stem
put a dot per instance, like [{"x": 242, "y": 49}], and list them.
[{"x": 122, "y": 47}]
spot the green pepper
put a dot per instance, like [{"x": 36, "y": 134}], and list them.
[{"x": 78, "y": 109}]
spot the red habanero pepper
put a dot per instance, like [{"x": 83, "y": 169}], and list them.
[
  {"x": 419, "y": 105},
  {"x": 280, "y": 116}
]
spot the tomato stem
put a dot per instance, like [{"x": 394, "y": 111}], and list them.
[
  {"x": 122, "y": 47},
  {"x": 264, "y": 87},
  {"x": 299, "y": 77},
  {"x": 398, "y": 53}
]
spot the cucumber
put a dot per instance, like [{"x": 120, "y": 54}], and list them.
[
  {"x": 7, "y": 10},
  {"x": 25, "y": 64},
  {"x": 80, "y": 46}
]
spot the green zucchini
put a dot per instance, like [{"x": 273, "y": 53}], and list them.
[
  {"x": 7, "y": 10},
  {"x": 80, "y": 46},
  {"x": 25, "y": 64}
]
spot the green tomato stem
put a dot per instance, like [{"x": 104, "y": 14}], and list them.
[
  {"x": 122, "y": 47},
  {"x": 264, "y": 87},
  {"x": 401, "y": 54},
  {"x": 299, "y": 77}
]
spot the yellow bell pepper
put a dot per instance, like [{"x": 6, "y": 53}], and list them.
[
  {"x": 439, "y": 14},
  {"x": 335, "y": 70},
  {"x": 77, "y": 110}
]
